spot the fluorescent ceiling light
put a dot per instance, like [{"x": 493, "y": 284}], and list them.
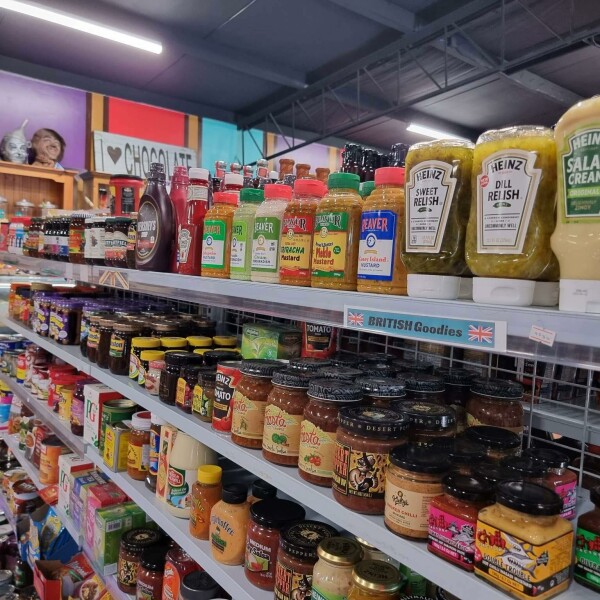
[
  {"x": 61, "y": 18},
  {"x": 432, "y": 133}
]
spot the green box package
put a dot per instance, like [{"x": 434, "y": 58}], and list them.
[
  {"x": 111, "y": 523},
  {"x": 274, "y": 340}
]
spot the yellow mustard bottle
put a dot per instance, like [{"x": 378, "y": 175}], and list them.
[
  {"x": 216, "y": 239},
  {"x": 337, "y": 229},
  {"x": 380, "y": 266}
]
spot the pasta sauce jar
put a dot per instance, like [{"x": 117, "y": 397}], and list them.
[
  {"x": 283, "y": 416},
  {"x": 297, "y": 556},
  {"x": 364, "y": 439},
  {"x": 250, "y": 401},
  {"x": 317, "y": 430},
  {"x": 267, "y": 517}
]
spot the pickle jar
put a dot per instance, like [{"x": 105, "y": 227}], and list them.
[
  {"x": 374, "y": 580},
  {"x": 250, "y": 400},
  {"x": 512, "y": 214},
  {"x": 380, "y": 266},
  {"x": 337, "y": 234},
  {"x": 381, "y": 391},
  {"x": 438, "y": 202}
]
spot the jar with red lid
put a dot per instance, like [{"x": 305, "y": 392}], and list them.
[
  {"x": 178, "y": 564},
  {"x": 559, "y": 477},
  {"x": 262, "y": 542},
  {"x": 381, "y": 391},
  {"x": 318, "y": 429},
  {"x": 364, "y": 439},
  {"x": 283, "y": 416},
  {"x": 453, "y": 518},
  {"x": 151, "y": 573},
  {"x": 297, "y": 556},
  {"x": 138, "y": 452},
  {"x": 133, "y": 543},
  {"x": 250, "y": 401}
]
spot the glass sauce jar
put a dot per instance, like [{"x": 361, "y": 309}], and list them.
[
  {"x": 133, "y": 543},
  {"x": 587, "y": 565},
  {"x": 151, "y": 573},
  {"x": 332, "y": 574},
  {"x": 424, "y": 387},
  {"x": 374, "y": 580},
  {"x": 138, "y": 452},
  {"x": 499, "y": 443},
  {"x": 430, "y": 423},
  {"x": 457, "y": 384}
]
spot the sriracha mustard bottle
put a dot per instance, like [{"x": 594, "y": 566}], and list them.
[{"x": 189, "y": 240}]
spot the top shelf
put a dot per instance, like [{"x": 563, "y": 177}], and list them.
[{"x": 576, "y": 341}]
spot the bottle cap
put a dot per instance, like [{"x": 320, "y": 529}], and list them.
[
  {"x": 233, "y": 179},
  {"x": 310, "y": 187},
  {"x": 389, "y": 176},
  {"x": 277, "y": 191},
  {"x": 197, "y": 173},
  {"x": 274, "y": 175},
  {"x": 343, "y": 180},
  {"x": 252, "y": 195},
  {"x": 210, "y": 474},
  {"x": 141, "y": 420},
  {"x": 225, "y": 198}
]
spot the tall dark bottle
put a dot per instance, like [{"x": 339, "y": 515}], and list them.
[{"x": 156, "y": 224}]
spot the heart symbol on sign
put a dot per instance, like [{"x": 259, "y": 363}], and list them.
[{"x": 114, "y": 153}]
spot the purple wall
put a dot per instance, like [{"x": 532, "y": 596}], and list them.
[
  {"x": 316, "y": 155},
  {"x": 45, "y": 105}
]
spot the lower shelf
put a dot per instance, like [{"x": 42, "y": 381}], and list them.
[{"x": 12, "y": 519}]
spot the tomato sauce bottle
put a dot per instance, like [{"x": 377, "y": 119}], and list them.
[
  {"x": 179, "y": 197},
  {"x": 189, "y": 238}
]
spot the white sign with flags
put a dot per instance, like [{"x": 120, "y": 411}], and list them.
[{"x": 120, "y": 154}]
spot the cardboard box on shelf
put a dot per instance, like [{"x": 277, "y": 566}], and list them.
[
  {"x": 100, "y": 496},
  {"x": 68, "y": 466},
  {"x": 271, "y": 340},
  {"x": 95, "y": 394},
  {"x": 78, "y": 497},
  {"x": 116, "y": 443}
]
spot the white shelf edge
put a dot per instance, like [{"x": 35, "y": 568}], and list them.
[
  {"x": 43, "y": 412},
  {"x": 232, "y": 579}
]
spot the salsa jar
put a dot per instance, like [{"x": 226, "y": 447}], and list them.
[
  {"x": 559, "y": 477},
  {"x": 133, "y": 543},
  {"x": 458, "y": 385},
  {"x": 499, "y": 443},
  {"x": 414, "y": 478},
  {"x": 525, "y": 519},
  {"x": 262, "y": 542},
  {"x": 364, "y": 439},
  {"x": 332, "y": 574},
  {"x": 283, "y": 416},
  {"x": 151, "y": 572},
  {"x": 250, "y": 400},
  {"x": 374, "y": 580},
  {"x": 203, "y": 394},
  {"x": 296, "y": 557},
  {"x": 453, "y": 518},
  {"x": 496, "y": 402},
  {"x": 424, "y": 387},
  {"x": 120, "y": 347},
  {"x": 319, "y": 426},
  {"x": 527, "y": 469},
  {"x": 381, "y": 391},
  {"x": 430, "y": 423},
  {"x": 465, "y": 454}
]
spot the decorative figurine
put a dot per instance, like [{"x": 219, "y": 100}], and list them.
[
  {"x": 47, "y": 148},
  {"x": 14, "y": 145}
]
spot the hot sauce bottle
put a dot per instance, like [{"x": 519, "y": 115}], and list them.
[{"x": 189, "y": 239}]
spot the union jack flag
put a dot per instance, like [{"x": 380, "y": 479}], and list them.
[
  {"x": 356, "y": 319},
  {"x": 481, "y": 334}
]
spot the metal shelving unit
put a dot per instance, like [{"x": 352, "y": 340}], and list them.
[{"x": 12, "y": 441}]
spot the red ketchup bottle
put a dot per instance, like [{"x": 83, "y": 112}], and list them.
[
  {"x": 179, "y": 196},
  {"x": 189, "y": 239}
]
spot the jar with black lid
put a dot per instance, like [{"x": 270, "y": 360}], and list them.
[
  {"x": 364, "y": 439},
  {"x": 378, "y": 369},
  {"x": 120, "y": 346},
  {"x": 345, "y": 373},
  {"x": 151, "y": 572},
  {"x": 381, "y": 391},
  {"x": 499, "y": 443},
  {"x": 203, "y": 395},
  {"x": 213, "y": 357},
  {"x": 423, "y": 386},
  {"x": 168, "y": 380},
  {"x": 375, "y": 357},
  {"x": 343, "y": 359},
  {"x": 413, "y": 366},
  {"x": 186, "y": 383},
  {"x": 496, "y": 402},
  {"x": 526, "y": 468},
  {"x": 261, "y": 490},
  {"x": 131, "y": 240},
  {"x": 133, "y": 543},
  {"x": 165, "y": 328},
  {"x": 105, "y": 329},
  {"x": 458, "y": 385},
  {"x": 203, "y": 326},
  {"x": 309, "y": 364},
  {"x": 465, "y": 454},
  {"x": 199, "y": 585},
  {"x": 119, "y": 241},
  {"x": 93, "y": 337},
  {"x": 492, "y": 473},
  {"x": 431, "y": 424},
  {"x": 109, "y": 234}
]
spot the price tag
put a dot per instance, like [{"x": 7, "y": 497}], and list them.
[{"x": 543, "y": 336}]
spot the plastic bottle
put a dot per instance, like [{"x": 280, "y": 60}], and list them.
[
  {"x": 216, "y": 238},
  {"x": 206, "y": 492},
  {"x": 156, "y": 224},
  {"x": 233, "y": 182},
  {"x": 179, "y": 197},
  {"x": 242, "y": 230},
  {"x": 267, "y": 229},
  {"x": 187, "y": 455},
  {"x": 189, "y": 238}
]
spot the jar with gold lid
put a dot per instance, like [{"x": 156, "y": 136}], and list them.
[{"x": 374, "y": 580}]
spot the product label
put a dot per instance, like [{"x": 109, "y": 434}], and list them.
[
  {"x": 179, "y": 484},
  {"x": 291, "y": 585},
  {"x": 117, "y": 346},
  {"x": 330, "y": 244},
  {"x": 138, "y": 457},
  {"x": 282, "y": 431},
  {"x": 197, "y": 399},
  {"x": 171, "y": 582},
  {"x": 148, "y": 231},
  {"x": 377, "y": 244},
  {"x": 239, "y": 245},
  {"x": 265, "y": 244},
  {"x": 359, "y": 474},
  {"x": 221, "y": 534},
  {"x": 587, "y": 557},
  {"x": 199, "y": 516},
  {"x": 131, "y": 238},
  {"x": 128, "y": 572},
  {"x": 522, "y": 568},
  {"x": 451, "y": 536},
  {"x": 248, "y": 417},
  {"x": 296, "y": 245},
  {"x": 180, "y": 392},
  {"x": 506, "y": 192},
  {"x": 119, "y": 246},
  {"x": 144, "y": 591},
  {"x": 318, "y": 594},
  {"x": 406, "y": 508},
  {"x": 226, "y": 380},
  {"x": 579, "y": 175},
  {"x": 316, "y": 452},
  {"x": 77, "y": 412},
  {"x": 76, "y": 241},
  {"x": 58, "y": 326},
  {"x": 154, "y": 451},
  {"x": 134, "y": 363},
  {"x": 184, "y": 242},
  {"x": 213, "y": 244},
  {"x": 430, "y": 191},
  {"x": 260, "y": 558},
  {"x": 568, "y": 494}
]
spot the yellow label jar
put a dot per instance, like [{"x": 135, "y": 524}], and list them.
[
  {"x": 337, "y": 232},
  {"x": 216, "y": 238},
  {"x": 380, "y": 266}
]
